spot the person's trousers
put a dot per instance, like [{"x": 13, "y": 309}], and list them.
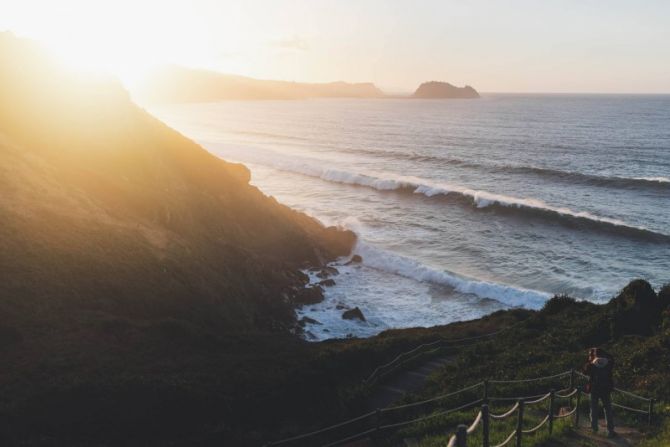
[{"x": 607, "y": 406}]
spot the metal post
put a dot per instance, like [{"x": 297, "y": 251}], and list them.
[
  {"x": 579, "y": 401},
  {"x": 551, "y": 411},
  {"x": 486, "y": 422},
  {"x": 519, "y": 424},
  {"x": 572, "y": 382},
  {"x": 461, "y": 436},
  {"x": 486, "y": 391},
  {"x": 651, "y": 410}
]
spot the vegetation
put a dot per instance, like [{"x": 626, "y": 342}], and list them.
[
  {"x": 145, "y": 285},
  {"x": 147, "y": 290}
]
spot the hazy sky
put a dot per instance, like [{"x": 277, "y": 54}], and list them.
[{"x": 517, "y": 46}]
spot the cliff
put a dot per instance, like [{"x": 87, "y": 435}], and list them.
[
  {"x": 131, "y": 259},
  {"x": 440, "y": 90},
  {"x": 179, "y": 84}
]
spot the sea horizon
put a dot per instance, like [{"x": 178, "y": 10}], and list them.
[{"x": 407, "y": 170}]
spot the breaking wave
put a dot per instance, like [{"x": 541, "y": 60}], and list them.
[
  {"x": 477, "y": 198},
  {"x": 409, "y": 268}
]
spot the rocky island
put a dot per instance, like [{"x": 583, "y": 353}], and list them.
[{"x": 443, "y": 90}]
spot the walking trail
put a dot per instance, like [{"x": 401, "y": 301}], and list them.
[{"x": 411, "y": 380}]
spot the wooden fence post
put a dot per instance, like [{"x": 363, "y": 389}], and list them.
[
  {"x": 486, "y": 392},
  {"x": 651, "y": 410},
  {"x": 486, "y": 423},
  {"x": 519, "y": 424},
  {"x": 572, "y": 382},
  {"x": 461, "y": 436},
  {"x": 579, "y": 401},
  {"x": 551, "y": 411}
]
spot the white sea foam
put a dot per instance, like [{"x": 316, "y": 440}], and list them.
[
  {"x": 654, "y": 179},
  {"x": 410, "y": 268}
]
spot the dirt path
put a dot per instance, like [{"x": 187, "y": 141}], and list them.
[
  {"x": 406, "y": 381},
  {"x": 584, "y": 437}
]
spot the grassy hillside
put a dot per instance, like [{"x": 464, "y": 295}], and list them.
[
  {"x": 132, "y": 264},
  {"x": 147, "y": 290},
  {"x": 634, "y": 327}
]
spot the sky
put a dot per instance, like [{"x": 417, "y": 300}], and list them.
[{"x": 496, "y": 46}]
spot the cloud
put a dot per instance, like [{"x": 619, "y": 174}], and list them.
[{"x": 292, "y": 43}]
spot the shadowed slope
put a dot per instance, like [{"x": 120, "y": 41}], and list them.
[{"x": 129, "y": 256}]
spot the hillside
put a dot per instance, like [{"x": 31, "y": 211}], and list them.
[
  {"x": 633, "y": 326},
  {"x": 147, "y": 290},
  {"x": 132, "y": 262},
  {"x": 444, "y": 90},
  {"x": 179, "y": 84}
]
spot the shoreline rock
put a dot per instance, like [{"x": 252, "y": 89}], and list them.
[
  {"x": 355, "y": 259},
  {"x": 327, "y": 283},
  {"x": 354, "y": 313},
  {"x": 308, "y": 295}
]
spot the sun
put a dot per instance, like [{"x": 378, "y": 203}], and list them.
[
  {"x": 123, "y": 38},
  {"x": 101, "y": 55}
]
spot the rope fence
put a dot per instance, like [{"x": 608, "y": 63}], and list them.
[
  {"x": 460, "y": 438},
  {"x": 382, "y": 421},
  {"x": 428, "y": 349}
]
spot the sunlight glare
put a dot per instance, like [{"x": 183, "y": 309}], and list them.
[{"x": 123, "y": 38}]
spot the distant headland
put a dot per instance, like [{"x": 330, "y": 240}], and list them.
[
  {"x": 441, "y": 90},
  {"x": 175, "y": 84},
  {"x": 179, "y": 84}
]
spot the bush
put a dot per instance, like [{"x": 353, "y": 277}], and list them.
[
  {"x": 637, "y": 309},
  {"x": 557, "y": 304}
]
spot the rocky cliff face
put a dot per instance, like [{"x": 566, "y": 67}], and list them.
[{"x": 439, "y": 90}]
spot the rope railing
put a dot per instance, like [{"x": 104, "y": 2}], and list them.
[
  {"x": 471, "y": 429},
  {"x": 424, "y": 349},
  {"x": 432, "y": 399},
  {"x": 567, "y": 414},
  {"x": 460, "y": 438},
  {"x": 507, "y": 440},
  {"x": 534, "y": 379},
  {"x": 649, "y": 411},
  {"x": 432, "y": 415},
  {"x": 537, "y": 427},
  {"x": 371, "y": 423},
  {"x": 505, "y": 414},
  {"x": 565, "y": 396},
  {"x": 537, "y": 401}
]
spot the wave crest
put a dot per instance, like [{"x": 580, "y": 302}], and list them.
[
  {"x": 409, "y": 268},
  {"x": 478, "y": 198}
]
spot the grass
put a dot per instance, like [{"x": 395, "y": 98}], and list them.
[{"x": 147, "y": 291}]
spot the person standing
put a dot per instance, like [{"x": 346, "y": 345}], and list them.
[{"x": 599, "y": 367}]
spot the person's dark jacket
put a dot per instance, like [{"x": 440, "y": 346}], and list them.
[{"x": 599, "y": 371}]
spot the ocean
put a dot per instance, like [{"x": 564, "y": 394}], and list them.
[{"x": 461, "y": 207}]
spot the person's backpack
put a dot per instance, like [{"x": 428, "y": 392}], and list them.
[{"x": 601, "y": 375}]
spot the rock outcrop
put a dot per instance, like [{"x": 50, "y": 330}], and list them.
[
  {"x": 353, "y": 314},
  {"x": 444, "y": 90}
]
